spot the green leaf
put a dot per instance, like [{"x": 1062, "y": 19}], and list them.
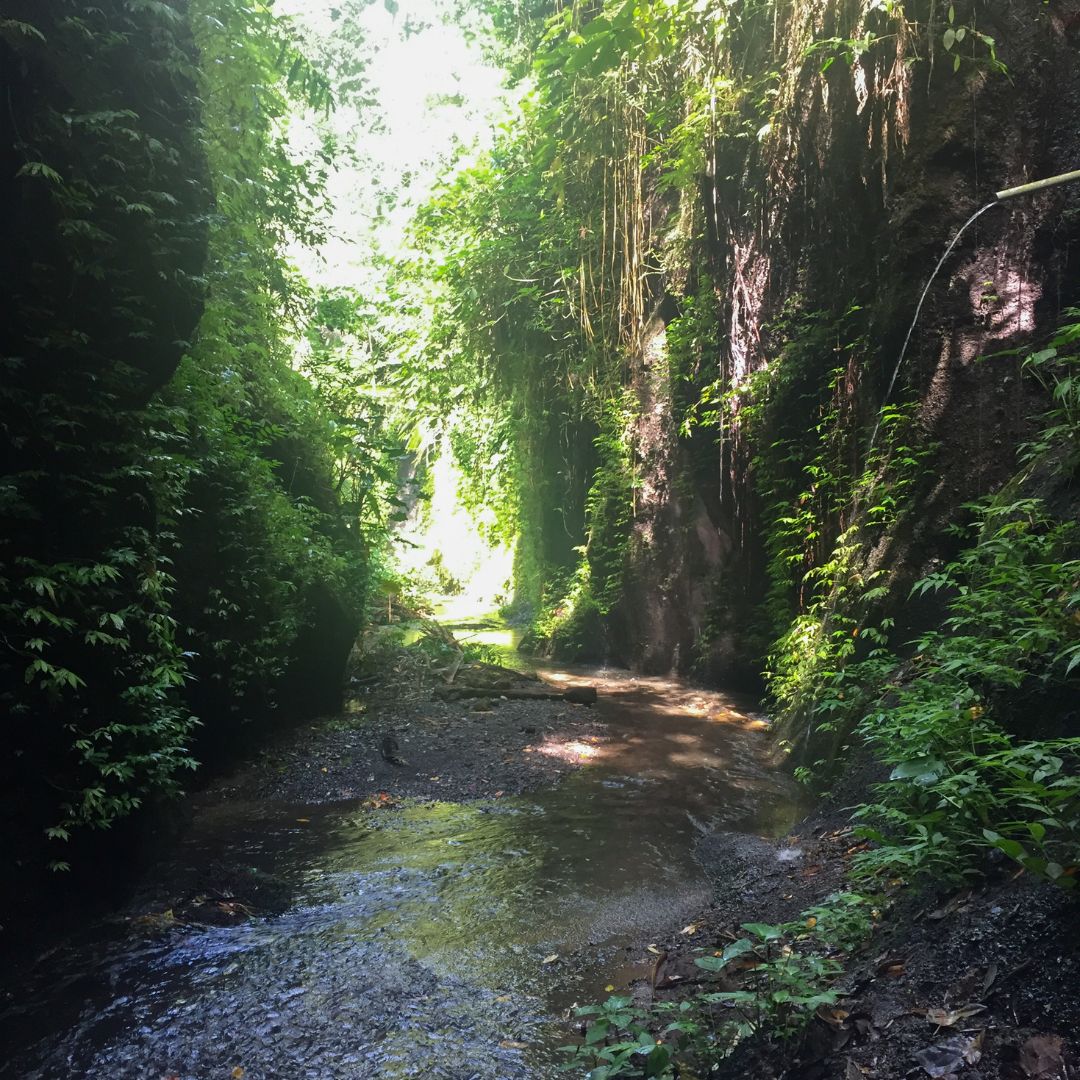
[
  {"x": 39, "y": 168},
  {"x": 765, "y": 931},
  {"x": 598, "y": 1031},
  {"x": 24, "y": 28},
  {"x": 717, "y": 963},
  {"x": 1011, "y": 848},
  {"x": 923, "y": 770}
]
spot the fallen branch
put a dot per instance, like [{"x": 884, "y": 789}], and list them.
[{"x": 455, "y": 669}]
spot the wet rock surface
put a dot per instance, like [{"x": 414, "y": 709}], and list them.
[{"x": 262, "y": 1001}]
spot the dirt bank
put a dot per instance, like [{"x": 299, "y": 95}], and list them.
[{"x": 979, "y": 983}]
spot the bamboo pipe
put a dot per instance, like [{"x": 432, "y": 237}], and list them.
[{"x": 1037, "y": 185}]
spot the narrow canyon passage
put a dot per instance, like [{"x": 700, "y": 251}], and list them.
[{"x": 355, "y": 352}]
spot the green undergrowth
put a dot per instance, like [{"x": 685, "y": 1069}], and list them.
[
  {"x": 973, "y": 718},
  {"x": 774, "y": 979},
  {"x": 954, "y": 718},
  {"x": 575, "y": 604}
]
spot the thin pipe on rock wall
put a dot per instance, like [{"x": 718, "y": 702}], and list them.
[{"x": 1037, "y": 185}]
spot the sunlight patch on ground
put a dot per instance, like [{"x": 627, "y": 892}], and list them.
[{"x": 571, "y": 750}]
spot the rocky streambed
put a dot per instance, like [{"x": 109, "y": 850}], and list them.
[{"x": 330, "y": 913}]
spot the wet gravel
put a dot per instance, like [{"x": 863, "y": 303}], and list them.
[
  {"x": 265, "y": 1001},
  {"x": 452, "y": 750}
]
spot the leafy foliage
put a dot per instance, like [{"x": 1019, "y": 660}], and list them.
[
  {"x": 108, "y": 189},
  {"x": 786, "y": 973},
  {"x": 952, "y": 713},
  {"x": 168, "y": 511},
  {"x": 962, "y": 779}
]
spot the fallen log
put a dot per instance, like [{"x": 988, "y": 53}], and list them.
[{"x": 576, "y": 695}]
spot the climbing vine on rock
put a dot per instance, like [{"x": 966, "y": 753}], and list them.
[{"x": 170, "y": 528}]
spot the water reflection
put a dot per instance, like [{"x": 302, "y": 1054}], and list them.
[{"x": 435, "y": 939}]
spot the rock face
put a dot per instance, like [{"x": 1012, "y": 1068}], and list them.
[{"x": 824, "y": 234}]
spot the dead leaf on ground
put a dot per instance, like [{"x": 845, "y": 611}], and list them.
[
  {"x": 1042, "y": 1057},
  {"x": 892, "y": 966},
  {"x": 950, "y": 906},
  {"x": 952, "y": 1017},
  {"x": 234, "y": 908},
  {"x": 381, "y": 800},
  {"x": 513, "y": 1044},
  {"x": 852, "y": 1071},
  {"x": 550, "y": 959},
  {"x": 856, "y": 849},
  {"x": 238, "y": 1073},
  {"x": 832, "y": 1016},
  {"x": 690, "y": 928},
  {"x": 156, "y": 920}
]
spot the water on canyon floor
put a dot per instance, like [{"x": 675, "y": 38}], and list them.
[{"x": 435, "y": 939}]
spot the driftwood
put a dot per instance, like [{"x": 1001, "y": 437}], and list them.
[
  {"x": 576, "y": 695},
  {"x": 455, "y": 669}
]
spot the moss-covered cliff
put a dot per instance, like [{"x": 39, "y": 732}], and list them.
[{"x": 173, "y": 554}]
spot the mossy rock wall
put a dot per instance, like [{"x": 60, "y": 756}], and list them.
[{"x": 814, "y": 243}]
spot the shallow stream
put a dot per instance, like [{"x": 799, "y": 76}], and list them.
[{"x": 428, "y": 940}]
